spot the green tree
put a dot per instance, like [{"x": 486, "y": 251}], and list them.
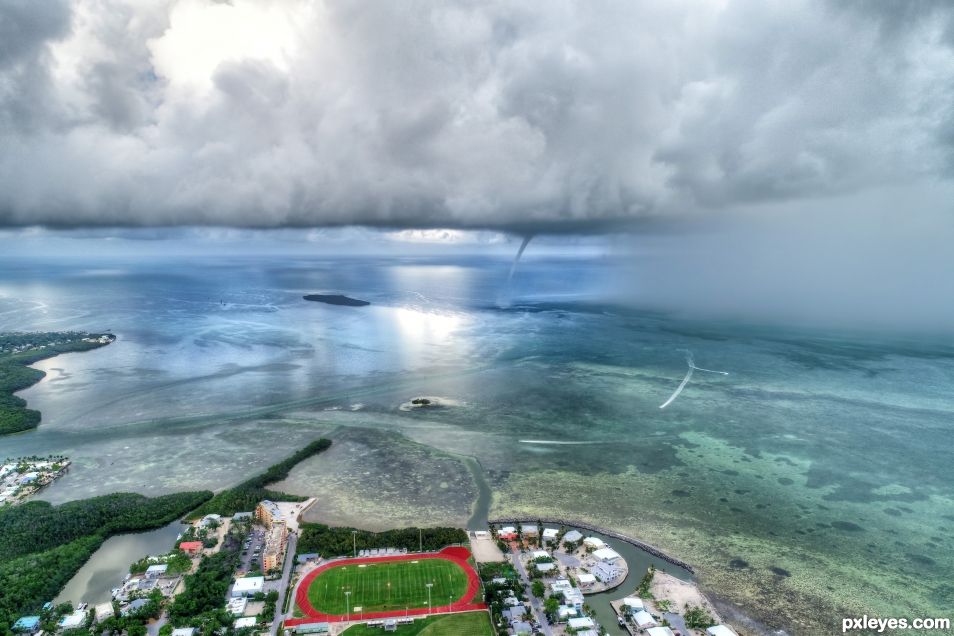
[
  {"x": 697, "y": 618},
  {"x": 538, "y": 589}
]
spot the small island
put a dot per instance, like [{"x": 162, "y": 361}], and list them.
[{"x": 336, "y": 299}]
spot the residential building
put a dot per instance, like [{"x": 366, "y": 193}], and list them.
[
  {"x": 573, "y": 536},
  {"x": 644, "y": 619},
  {"x": 594, "y": 542},
  {"x": 530, "y": 529},
  {"x": 192, "y": 548},
  {"x": 276, "y": 540},
  {"x": 155, "y": 571},
  {"x": 245, "y": 622},
  {"x": 507, "y": 533},
  {"x": 633, "y": 604},
  {"x": 586, "y": 580},
  {"x": 720, "y": 630},
  {"x": 581, "y": 622},
  {"x": 184, "y": 631},
  {"x": 545, "y": 567},
  {"x": 27, "y": 624},
  {"x": 134, "y": 606},
  {"x": 236, "y": 606},
  {"x": 659, "y": 631},
  {"x": 608, "y": 555},
  {"x": 210, "y": 520},
  {"x": 550, "y": 534},
  {"x": 565, "y": 612},
  {"x": 248, "y": 586},
  {"x": 268, "y": 513},
  {"x": 607, "y": 572},
  {"x": 573, "y": 597}
]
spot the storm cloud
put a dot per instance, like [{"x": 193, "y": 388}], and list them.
[{"x": 542, "y": 117}]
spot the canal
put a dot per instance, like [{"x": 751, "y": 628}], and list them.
[{"x": 93, "y": 583}]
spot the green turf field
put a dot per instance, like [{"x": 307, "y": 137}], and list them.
[
  {"x": 389, "y": 586},
  {"x": 468, "y": 624}
]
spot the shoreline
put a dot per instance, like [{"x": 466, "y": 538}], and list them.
[
  {"x": 642, "y": 545},
  {"x": 30, "y": 354}
]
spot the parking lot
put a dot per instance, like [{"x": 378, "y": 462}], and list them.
[{"x": 252, "y": 550}]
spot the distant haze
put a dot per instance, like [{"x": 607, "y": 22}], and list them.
[{"x": 548, "y": 117}]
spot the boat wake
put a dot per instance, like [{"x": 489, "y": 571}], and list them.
[
  {"x": 554, "y": 442},
  {"x": 692, "y": 367}
]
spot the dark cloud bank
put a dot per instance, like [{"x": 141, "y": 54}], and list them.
[{"x": 555, "y": 117}]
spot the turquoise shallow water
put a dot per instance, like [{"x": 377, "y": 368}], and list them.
[{"x": 816, "y": 473}]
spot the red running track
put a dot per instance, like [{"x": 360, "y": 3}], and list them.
[{"x": 455, "y": 555}]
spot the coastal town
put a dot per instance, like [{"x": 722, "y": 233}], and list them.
[
  {"x": 25, "y": 476},
  {"x": 525, "y": 578}
]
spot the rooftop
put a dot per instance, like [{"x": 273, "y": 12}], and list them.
[{"x": 606, "y": 554}]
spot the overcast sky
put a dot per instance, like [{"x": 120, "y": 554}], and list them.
[
  {"x": 782, "y": 159},
  {"x": 550, "y": 116}
]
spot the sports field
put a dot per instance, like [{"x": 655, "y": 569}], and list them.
[{"x": 387, "y": 586}]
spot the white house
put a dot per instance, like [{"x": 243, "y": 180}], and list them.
[
  {"x": 248, "y": 586},
  {"x": 659, "y": 631},
  {"x": 633, "y": 604},
  {"x": 573, "y": 536},
  {"x": 581, "y": 622},
  {"x": 530, "y": 529},
  {"x": 719, "y": 630},
  {"x": 606, "y": 554},
  {"x": 545, "y": 567},
  {"x": 586, "y": 580},
  {"x": 565, "y": 612},
  {"x": 550, "y": 534},
  {"x": 236, "y": 606},
  {"x": 607, "y": 572},
  {"x": 560, "y": 585},
  {"x": 594, "y": 542},
  {"x": 644, "y": 619},
  {"x": 539, "y": 554},
  {"x": 209, "y": 520},
  {"x": 244, "y": 622},
  {"x": 573, "y": 597},
  {"x": 183, "y": 631},
  {"x": 157, "y": 570},
  {"x": 507, "y": 532}
]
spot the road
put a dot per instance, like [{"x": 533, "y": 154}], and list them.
[
  {"x": 536, "y": 605},
  {"x": 283, "y": 584}
]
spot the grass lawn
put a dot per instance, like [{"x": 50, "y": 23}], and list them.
[
  {"x": 388, "y": 586},
  {"x": 467, "y": 624}
]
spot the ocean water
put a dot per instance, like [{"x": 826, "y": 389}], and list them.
[{"x": 816, "y": 474}]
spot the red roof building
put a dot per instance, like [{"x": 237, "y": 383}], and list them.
[{"x": 191, "y": 547}]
